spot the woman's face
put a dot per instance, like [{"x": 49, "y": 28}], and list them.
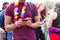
[{"x": 42, "y": 7}]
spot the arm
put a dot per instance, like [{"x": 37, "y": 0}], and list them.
[
  {"x": 13, "y": 26},
  {"x": 36, "y": 18},
  {"x": 8, "y": 18},
  {"x": 37, "y": 22},
  {"x": 7, "y": 23}
]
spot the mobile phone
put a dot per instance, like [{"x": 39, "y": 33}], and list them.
[{"x": 24, "y": 20}]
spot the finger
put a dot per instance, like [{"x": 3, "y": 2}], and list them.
[
  {"x": 20, "y": 19},
  {"x": 29, "y": 22},
  {"x": 28, "y": 19}
]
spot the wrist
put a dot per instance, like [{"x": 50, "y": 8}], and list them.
[
  {"x": 32, "y": 25},
  {"x": 16, "y": 23}
]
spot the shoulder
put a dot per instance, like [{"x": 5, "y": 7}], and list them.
[
  {"x": 31, "y": 4},
  {"x": 9, "y": 10},
  {"x": 10, "y": 6}
]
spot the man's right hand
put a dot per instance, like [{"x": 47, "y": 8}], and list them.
[{"x": 20, "y": 23}]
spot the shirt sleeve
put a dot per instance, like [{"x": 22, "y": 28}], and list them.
[
  {"x": 35, "y": 10},
  {"x": 8, "y": 11}
]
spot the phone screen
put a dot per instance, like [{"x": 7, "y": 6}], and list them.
[{"x": 24, "y": 20}]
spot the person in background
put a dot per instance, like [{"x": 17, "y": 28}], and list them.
[
  {"x": 2, "y": 27},
  {"x": 2, "y": 31},
  {"x": 54, "y": 23},
  {"x": 9, "y": 33},
  {"x": 19, "y": 13},
  {"x": 5, "y": 4},
  {"x": 42, "y": 11}
]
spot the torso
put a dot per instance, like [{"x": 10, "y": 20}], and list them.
[{"x": 25, "y": 31}]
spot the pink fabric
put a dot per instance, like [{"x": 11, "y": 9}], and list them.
[{"x": 54, "y": 30}]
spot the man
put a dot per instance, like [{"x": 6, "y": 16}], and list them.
[
  {"x": 2, "y": 28},
  {"x": 23, "y": 27}
]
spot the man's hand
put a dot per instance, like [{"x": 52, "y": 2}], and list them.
[
  {"x": 29, "y": 22},
  {"x": 20, "y": 23}
]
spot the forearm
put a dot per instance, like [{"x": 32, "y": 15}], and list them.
[
  {"x": 36, "y": 25},
  {"x": 10, "y": 27}
]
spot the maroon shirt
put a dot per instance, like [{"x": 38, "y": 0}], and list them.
[{"x": 22, "y": 33}]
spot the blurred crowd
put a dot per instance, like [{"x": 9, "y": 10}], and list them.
[{"x": 22, "y": 20}]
